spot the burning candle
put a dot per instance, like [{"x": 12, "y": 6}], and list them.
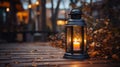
[{"x": 76, "y": 44}]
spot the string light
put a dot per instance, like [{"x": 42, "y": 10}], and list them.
[
  {"x": 7, "y": 9},
  {"x": 29, "y": 6},
  {"x": 37, "y": 3}
]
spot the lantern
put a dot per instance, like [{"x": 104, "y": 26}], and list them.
[{"x": 76, "y": 38}]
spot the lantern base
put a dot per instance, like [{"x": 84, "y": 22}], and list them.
[{"x": 76, "y": 56}]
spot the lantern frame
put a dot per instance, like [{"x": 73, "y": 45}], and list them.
[{"x": 76, "y": 29}]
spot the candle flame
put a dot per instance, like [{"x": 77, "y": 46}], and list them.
[{"x": 77, "y": 40}]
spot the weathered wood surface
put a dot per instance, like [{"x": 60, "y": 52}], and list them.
[{"x": 42, "y": 55}]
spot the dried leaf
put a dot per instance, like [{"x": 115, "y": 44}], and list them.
[
  {"x": 7, "y": 65},
  {"x": 17, "y": 49},
  {"x": 93, "y": 54},
  {"x": 115, "y": 57},
  {"x": 34, "y": 64},
  {"x": 16, "y": 62},
  {"x": 32, "y": 51}
]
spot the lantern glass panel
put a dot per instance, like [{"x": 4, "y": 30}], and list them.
[
  {"x": 85, "y": 38},
  {"x": 77, "y": 38},
  {"x": 69, "y": 38}
]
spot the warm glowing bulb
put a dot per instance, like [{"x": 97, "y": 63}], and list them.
[
  {"x": 29, "y": 6},
  {"x": 37, "y": 3},
  {"x": 61, "y": 22},
  {"x": 7, "y": 9}
]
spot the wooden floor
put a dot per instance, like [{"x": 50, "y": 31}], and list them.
[{"x": 42, "y": 55}]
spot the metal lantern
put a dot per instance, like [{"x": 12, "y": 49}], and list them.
[{"x": 76, "y": 38}]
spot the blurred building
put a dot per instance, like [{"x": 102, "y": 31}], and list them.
[
  {"x": 8, "y": 21},
  {"x": 8, "y": 11},
  {"x": 20, "y": 16},
  {"x": 17, "y": 18}
]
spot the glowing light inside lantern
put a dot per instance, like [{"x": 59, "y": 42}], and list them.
[
  {"x": 76, "y": 44},
  {"x": 7, "y": 9}
]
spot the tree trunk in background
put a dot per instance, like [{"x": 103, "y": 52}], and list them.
[
  {"x": 43, "y": 15},
  {"x": 111, "y": 10},
  {"x": 38, "y": 16},
  {"x": 13, "y": 20},
  {"x": 43, "y": 19},
  {"x": 91, "y": 2},
  {"x": 52, "y": 13},
  {"x": 55, "y": 15},
  {"x": 30, "y": 18}
]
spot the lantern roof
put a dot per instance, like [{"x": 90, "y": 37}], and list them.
[
  {"x": 75, "y": 11},
  {"x": 76, "y": 18},
  {"x": 79, "y": 22}
]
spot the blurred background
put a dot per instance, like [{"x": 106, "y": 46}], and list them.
[{"x": 35, "y": 20}]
